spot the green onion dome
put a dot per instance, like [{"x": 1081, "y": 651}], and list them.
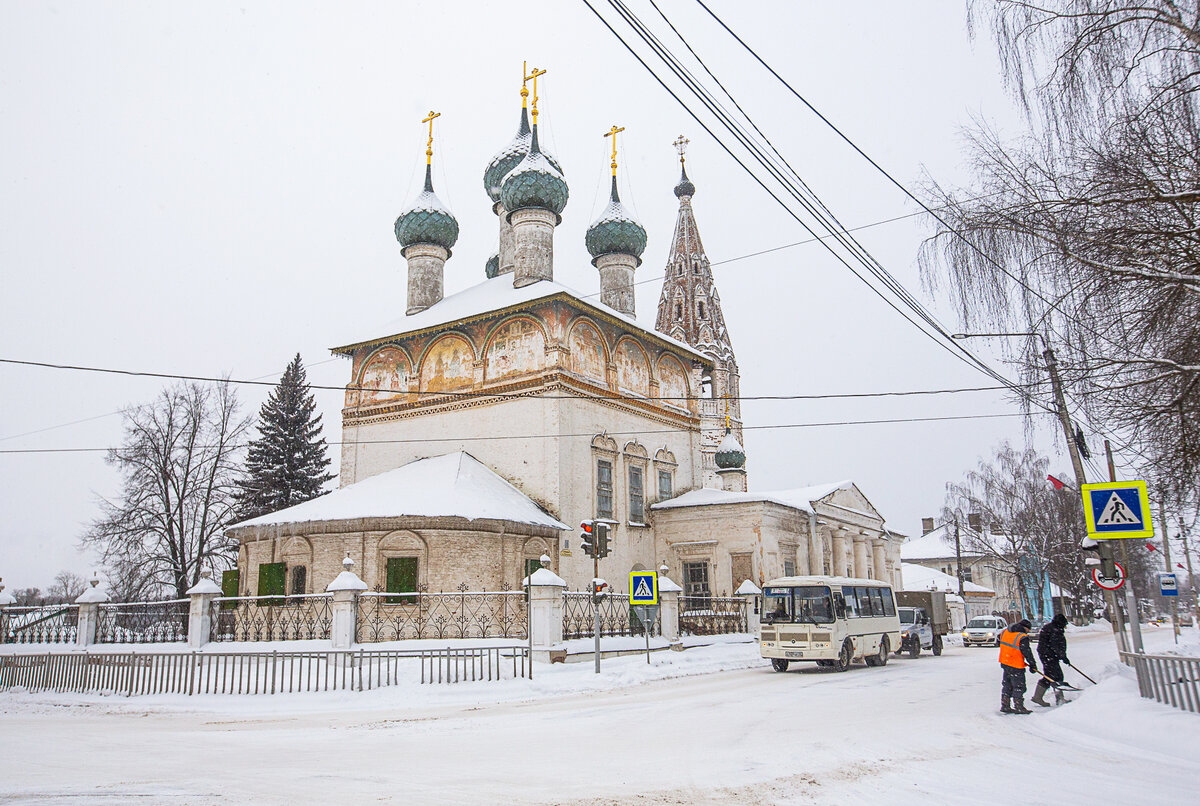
[
  {"x": 510, "y": 157},
  {"x": 730, "y": 453},
  {"x": 535, "y": 182},
  {"x": 616, "y": 231},
  {"x": 427, "y": 220},
  {"x": 493, "y": 267},
  {"x": 685, "y": 186}
]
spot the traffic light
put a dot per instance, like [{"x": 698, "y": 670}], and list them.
[
  {"x": 587, "y": 538},
  {"x": 602, "y": 547}
]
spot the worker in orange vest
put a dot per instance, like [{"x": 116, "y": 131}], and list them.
[{"x": 1015, "y": 656}]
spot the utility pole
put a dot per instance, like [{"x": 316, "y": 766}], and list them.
[
  {"x": 958, "y": 557},
  {"x": 1064, "y": 419},
  {"x": 1167, "y": 559},
  {"x": 1131, "y": 611}
]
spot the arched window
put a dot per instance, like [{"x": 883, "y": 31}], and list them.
[
  {"x": 701, "y": 305},
  {"x": 678, "y": 310}
]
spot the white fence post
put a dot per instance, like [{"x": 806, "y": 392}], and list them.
[
  {"x": 345, "y": 589},
  {"x": 200, "y": 610},
  {"x": 749, "y": 593},
  {"x": 545, "y": 614},
  {"x": 668, "y": 597},
  {"x": 89, "y": 610}
]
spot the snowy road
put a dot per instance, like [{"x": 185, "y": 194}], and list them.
[{"x": 923, "y": 731}]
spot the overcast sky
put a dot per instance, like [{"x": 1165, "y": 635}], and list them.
[{"x": 206, "y": 188}]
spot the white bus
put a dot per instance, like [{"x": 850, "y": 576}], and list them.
[{"x": 831, "y": 620}]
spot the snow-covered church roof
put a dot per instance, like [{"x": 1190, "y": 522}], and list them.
[
  {"x": 801, "y": 498},
  {"x": 497, "y": 294},
  {"x": 452, "y": 485}
]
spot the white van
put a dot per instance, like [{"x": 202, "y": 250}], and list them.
[{"x": 831, "y": 620}]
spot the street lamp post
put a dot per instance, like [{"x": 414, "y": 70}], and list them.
[{"x": 1064, "y": 420}]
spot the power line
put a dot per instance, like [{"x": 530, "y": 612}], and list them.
[
  {"x": 485, "y": 394},
  {"x": 589, "y": 435}
]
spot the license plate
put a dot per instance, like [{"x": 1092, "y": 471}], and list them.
[{"x": 794, "y": 653}]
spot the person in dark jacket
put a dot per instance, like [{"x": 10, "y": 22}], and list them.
[
  {"x": 1015, "y": 655},
  {"x": 1052, "y": 649}
]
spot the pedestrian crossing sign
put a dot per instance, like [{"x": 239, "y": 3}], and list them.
[
  {"x": 643, "y": 588},
  {"x": 1117, "y": 509}
]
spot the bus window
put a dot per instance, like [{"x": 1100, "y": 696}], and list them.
[
  {"x": 876, "y": 602},
  {"x": 864, "y": 601},
  {"x": 889, "y": 607},
  {"x": 813, "y": 604},
  {"x": 852, "y": 609},
  {"x": 778, "y": 605}
]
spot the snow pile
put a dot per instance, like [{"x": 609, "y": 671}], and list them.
[{"x": 801, "y": 498}]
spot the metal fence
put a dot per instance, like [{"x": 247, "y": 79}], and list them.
[
  {"x": 712, "y": 615},
  {"x": 142, "y": 622},
  {"x": 616, "y": 616},
  {"x": 135, "y": 673},
  {"x": 272, "y": 618},
  {"x": 46, "y": 624},
  {"x": 394, "y": 617},
  {"x": 1171, "y": 679}
]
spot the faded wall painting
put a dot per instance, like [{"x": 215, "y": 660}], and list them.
[
  {"x": 587, "y": 352},
  {"x": 449, "y": 364},
  {"x": 633, "y": 373},
  {"x": 672, "y": 382},
  {"x": 385, "y": 378},
  {"x": 517, "y": 348}
]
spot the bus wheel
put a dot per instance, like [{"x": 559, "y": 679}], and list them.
[
  {"x": 844, "y": 657},
  {"x": 779, "y": 664},
  {"x": 937, "y": 645},
  {"x": 882, "y": 658}
]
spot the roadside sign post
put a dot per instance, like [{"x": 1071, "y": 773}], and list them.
[
  {"x": 1109, "y": 583},
  {"x": 1114, "y": 510},
  {"x": 1168, "y": 585},
  {"x": 643, "y": 598}
]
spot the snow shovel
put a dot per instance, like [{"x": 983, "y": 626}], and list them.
[
  {"x": 1085, "y": 677},
  {"x": 1063, "y": 686}
]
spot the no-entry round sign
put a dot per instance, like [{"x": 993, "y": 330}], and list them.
[{"x": 1109, "y": 583}]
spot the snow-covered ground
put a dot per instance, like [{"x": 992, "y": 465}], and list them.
[{"x": 709, "y": 725}]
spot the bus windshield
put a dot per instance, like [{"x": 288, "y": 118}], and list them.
[{"x": 808, "y": 604}]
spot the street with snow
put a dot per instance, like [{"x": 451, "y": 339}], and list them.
[{"x": 709, "y": 725}]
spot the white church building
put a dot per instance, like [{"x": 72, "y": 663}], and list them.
[{"x": 479, "y": 429}]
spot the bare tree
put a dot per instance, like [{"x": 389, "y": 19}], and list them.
[
  {"x": 67, "y": 588},
  {"x": 28, "y": 597},
  {"x": 1088, "y": 231},
  {"x": 179, "y": 462},
  {"x": 1027, "y": 536}
]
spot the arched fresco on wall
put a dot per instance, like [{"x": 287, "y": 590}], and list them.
[
  {"x": 587, "y": 352},
  {"x": 517, "y": 348},
  {"x": 385, "y": 377},
  {"x": 672, "y": 382},
  {"x": 633, "y": 372},
  {"x": 449, "y": 364}
]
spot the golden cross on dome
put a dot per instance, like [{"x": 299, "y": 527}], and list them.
[
  {"x": 530, "y": 77},
  {"x": 429, "y": 143},
  {"x": 681, "y": 144},
  {"x": 613, "y": 132}
]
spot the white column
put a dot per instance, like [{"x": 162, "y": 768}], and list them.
[
  {"x": 545, "y": 613},
  {"x": 839, "y": 554},
  {"x": 200, "y": 610},
  {"x": 89, "y": 614},
  {"x": 668, "y": 603},
  {"x": 879, "y": 556},
  {"x": 860, "y": 556},
  {"x": 345, "y": 589}
]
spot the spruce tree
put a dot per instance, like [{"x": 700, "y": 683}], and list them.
[{"x": 286, "y": 464}]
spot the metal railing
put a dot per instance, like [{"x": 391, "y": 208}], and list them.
[
  {"x": 142, "y": 622},
  {"x": 712, "y": 615},
  {"x": 394, "y": 617},
  {"x": 137, "y": 673},
  {"x": 272, "y": 618},
  {"x": 616, "y": 616},
  {"x": 45, "y": 624},
  {"x": 1171, "y": 679}
]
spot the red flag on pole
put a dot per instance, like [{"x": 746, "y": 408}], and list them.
[
  {"x": 1058, "y": 485},
  {"x": 1150, "y": 547}
]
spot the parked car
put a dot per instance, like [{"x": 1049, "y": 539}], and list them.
[
  {"x": 1185, "y": 620},
  {"x": 983, "y": 631},
  {"x": 923, "y": 621}
]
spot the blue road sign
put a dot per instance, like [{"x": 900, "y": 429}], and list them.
[
  {"x": 1117, "y": 509},
  {"x": 643, "y": 588},
  {"x": 1167, "y": 584}
]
